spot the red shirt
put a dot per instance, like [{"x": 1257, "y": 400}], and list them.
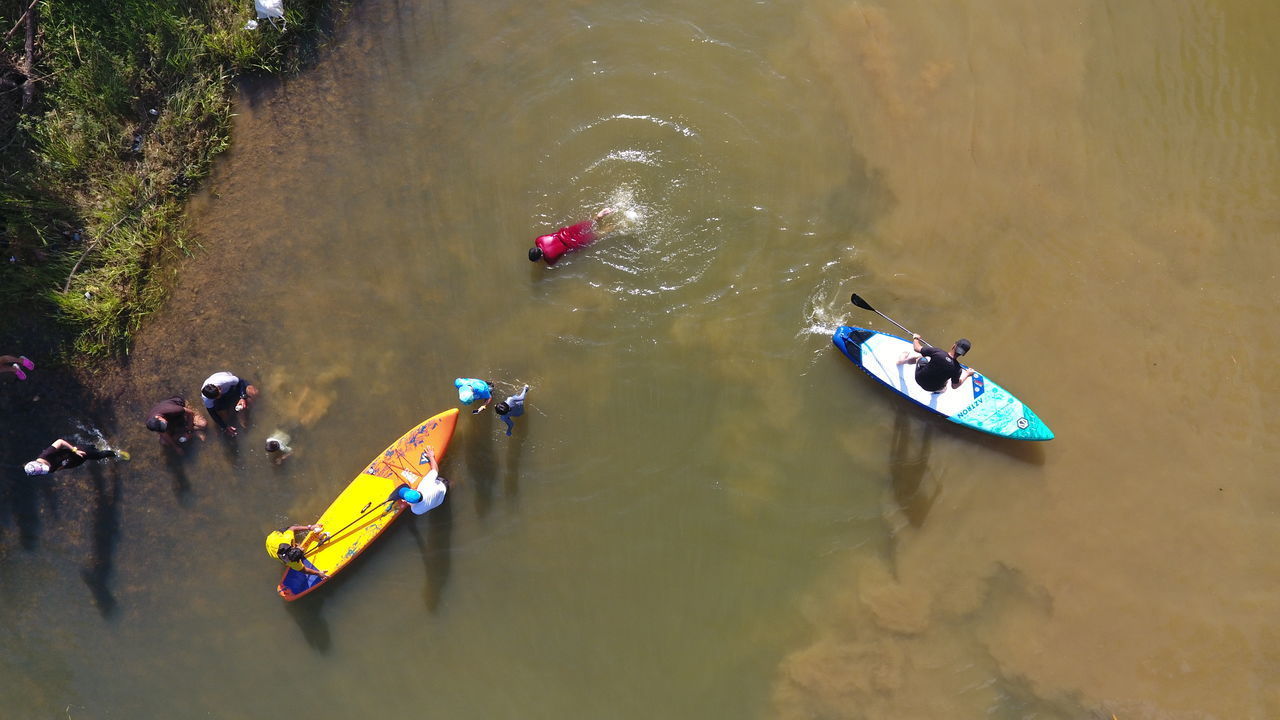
[{"x": 566, "y": 239}]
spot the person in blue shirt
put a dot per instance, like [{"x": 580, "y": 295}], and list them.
[
  {"x": 471, "y": 389},
  {"x": 512, "y": 407}
]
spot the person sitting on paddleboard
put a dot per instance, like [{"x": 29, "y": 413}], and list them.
[
  {"x": 935, "y": 366},
  {"x": 285, "y": 546},
  {"x": 567, "y": 239},
  {"x": 428, "y": 492}
]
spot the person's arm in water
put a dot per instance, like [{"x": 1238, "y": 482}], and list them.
[
  {"x": 217, "y": 417},
  {"x": 243, "y": 389},
  {"x": 483, "y": 405},
  {"x": 510, "y": 425},
  {"x": 167, "y": 438}
]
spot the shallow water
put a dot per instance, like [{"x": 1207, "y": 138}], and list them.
[{"x": 707, "y": 512}]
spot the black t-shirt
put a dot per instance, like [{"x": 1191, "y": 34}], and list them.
[
  {"x": 61, "y": 458},
  {"x": 173, "y": 410},
  {"x": 936, "y": 368}
]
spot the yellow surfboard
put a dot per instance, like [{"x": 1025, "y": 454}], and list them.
[{"x": 360, "y": 514}]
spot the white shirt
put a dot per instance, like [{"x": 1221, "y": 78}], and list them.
[
  {"x": 432, "y": 493},
  {"x": 224, "y": 380}
]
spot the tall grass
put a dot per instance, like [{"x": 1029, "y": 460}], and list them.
[{"x": 133, "y": 104}]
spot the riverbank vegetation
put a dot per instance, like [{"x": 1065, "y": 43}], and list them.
[{"x": 110, "y": 115}]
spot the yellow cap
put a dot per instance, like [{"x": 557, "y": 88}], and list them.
[{"x": 276, "y": 539}]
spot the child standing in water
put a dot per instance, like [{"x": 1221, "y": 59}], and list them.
[
  {"x": 64, "y": 455},
  {"x": 278, "y": 446}
]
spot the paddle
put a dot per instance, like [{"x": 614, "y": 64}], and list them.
[
  {"x": 366, "y": 511},
  {"x": 857, "y": 300}
]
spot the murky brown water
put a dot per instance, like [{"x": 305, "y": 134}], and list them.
[{"x": 708, "y": 512}]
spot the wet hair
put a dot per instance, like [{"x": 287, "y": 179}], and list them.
[
  {"x": 210, "y": 391},
  {"x": 962, "y": 346},
  {"x": 157, "y": 424},
  {"x": 273, "y": 445},
  {"x": 535, "y": 254},
  {"x": 502, "y": 408},
  {"x": 282, "y": 550},
  {"x": 293, "y": 553}
]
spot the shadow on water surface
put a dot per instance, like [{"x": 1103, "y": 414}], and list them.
[
  {"x": 511, "y": 471},
  {"x": 106, "y": 532},
  {"x": 437, "y": 551},
  {"x": 305, "y": 611},
  {"x": 176, "y": 463},
  {"x": 908, "y": 467},
  {"x": 478, "y": 459}
]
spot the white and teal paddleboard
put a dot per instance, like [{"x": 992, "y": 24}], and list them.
[{"x": 978, "y": 403}]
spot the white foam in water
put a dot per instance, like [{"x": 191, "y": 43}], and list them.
[
  {"x": 826, "y": 309},
  {"x": 95, "y": 436}
]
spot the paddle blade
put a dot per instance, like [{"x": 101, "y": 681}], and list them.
[{"x": 857, "y": 300}]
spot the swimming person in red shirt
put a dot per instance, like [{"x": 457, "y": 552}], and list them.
[{"x": 567, "y": 239}]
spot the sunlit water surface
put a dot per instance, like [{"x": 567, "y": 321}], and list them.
[{"x": 707, "y": 512}]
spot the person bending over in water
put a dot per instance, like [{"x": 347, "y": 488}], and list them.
[
  {"x": 174, "y": 421},
  {"x": 567, "y": 239},
  {"x": 471, "y": 390},
  {"x": 286, "y": 546},
  {"x": 226, "y": 395},
  {"x": 935, "y": 366},
  {"x": 512, "y": 407}
]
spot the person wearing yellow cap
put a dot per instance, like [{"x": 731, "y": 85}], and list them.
[{"x": 285, "y": 546}]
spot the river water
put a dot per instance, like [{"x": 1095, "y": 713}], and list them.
[{"x": 707, "y": 512}]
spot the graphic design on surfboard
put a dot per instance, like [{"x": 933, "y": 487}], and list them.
[{"x": 362, "y": 511}]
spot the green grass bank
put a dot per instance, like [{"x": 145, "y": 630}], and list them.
[{"x": 110, "y": 115}]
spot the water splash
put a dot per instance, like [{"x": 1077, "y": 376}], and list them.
[{"x": 92, "y": 436}]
